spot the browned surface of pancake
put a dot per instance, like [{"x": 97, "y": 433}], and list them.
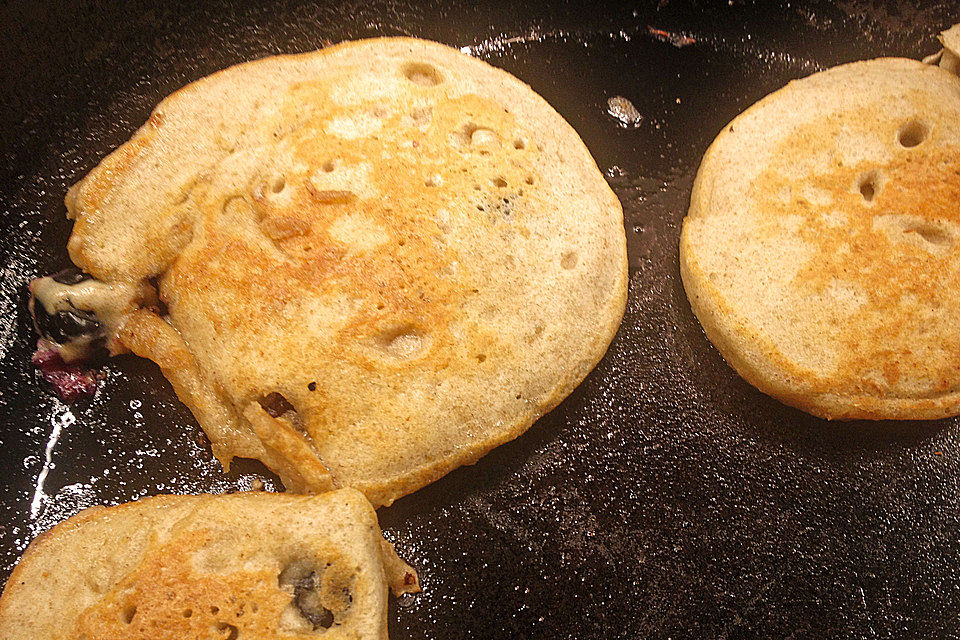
[{"x": 820, "y": 253}]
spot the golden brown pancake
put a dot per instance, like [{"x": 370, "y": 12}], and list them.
[
  {"x": 378, "y": 261},
  {"x": 820, "y": 252},
  {"x": 255, "y": 566}
]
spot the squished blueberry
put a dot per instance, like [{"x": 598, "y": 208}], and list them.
[
  {"x": 275, "y": 404},
  {"x": 305, "y": 579},
  {"x": 70, "y": 275},
  {"x": 307, "y": 600},
  {"x": 63, "y": 327}
]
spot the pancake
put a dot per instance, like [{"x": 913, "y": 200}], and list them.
[
  {"x": 375, "y": 262},
  {"x": 949, "y": 56},
  {"x": 820, "y": 252},
  {"x": 254, "y": 565}
]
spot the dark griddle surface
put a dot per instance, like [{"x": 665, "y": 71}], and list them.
[{"x": 666, "y": 498}]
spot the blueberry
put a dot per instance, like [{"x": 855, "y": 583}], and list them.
[
  {"x": 65, "y": 326},
  {"x": 307, "y": 600},
  {"x": 275, "y": 404},
  {"x": 305, "y": 579},
  {"x": 70, "y": 275}
]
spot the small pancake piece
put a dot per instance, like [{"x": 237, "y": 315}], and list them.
[
  {"x": 379, "y": 260},
  {"x": 949, "y": 56},
  {"x": 257, "y": 566},
  {"x": 821, "y": 252}
]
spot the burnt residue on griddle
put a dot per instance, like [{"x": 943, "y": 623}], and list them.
[{"x": 623, "y": 111}]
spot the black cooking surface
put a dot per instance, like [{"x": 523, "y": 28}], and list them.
[{"x": 666, "y": 498}]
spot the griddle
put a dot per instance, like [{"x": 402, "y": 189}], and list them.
[{"x": 665, "y": 498}]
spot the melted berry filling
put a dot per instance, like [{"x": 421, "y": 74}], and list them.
[{"x": 71, "y": 381}]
